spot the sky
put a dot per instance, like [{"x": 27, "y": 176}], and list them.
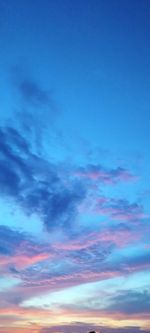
[{"x": 74, "y": 166}]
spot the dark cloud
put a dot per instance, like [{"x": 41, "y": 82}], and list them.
[
  {"x": 19, "y": 143},
  {"x": 84, "y": 327},
  {"x": 36, "y": 184},
  {"x": 14, "y": 152},
  {"x": 131, "y": 302},
  {"x": 74, "y": 327},
  {"x": 9, "y": 180},
  {"x": 32, "y": 92},
  {"x": 64, "y": 203},
  {"x": 127, "y": 329}
]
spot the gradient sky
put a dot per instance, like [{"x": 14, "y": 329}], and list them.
[{"x": 74, "y": 166}]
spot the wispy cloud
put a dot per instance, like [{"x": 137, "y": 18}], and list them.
[
  {"x": 120, "y": 209},
  {"x": 97, "y": 172}
]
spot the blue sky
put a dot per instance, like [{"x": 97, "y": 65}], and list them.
[{"x": 74, "y": 166}]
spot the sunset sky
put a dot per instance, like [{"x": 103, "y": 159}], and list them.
[{"x": 74, "y": 166}]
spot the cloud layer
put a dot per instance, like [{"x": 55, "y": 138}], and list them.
[{"x": 88, "y": 235}]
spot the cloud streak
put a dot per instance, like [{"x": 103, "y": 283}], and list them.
[
  {"x": 120, "y": 209},
  {"x": 98, "y": 173}
]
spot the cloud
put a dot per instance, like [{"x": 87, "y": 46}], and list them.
[
  {"x": 120, "y": 209},
  {"x": 18, "y": 251},
  {"x": 77, "y": 268},
  {"x": 39, "y": 187},
  {"x": 35, "y": 184},
  {"x": 92, "y": 256},
  {"x": 32, "y": 93},
  {"x": 131, "y": 302},
  {"x": 118, "y": 236},
  {"x": 37, "y": 110},
  {"x": 137, "y": 262},
  {"x": 73, "y": 327},
  {"x": 10, "y": 240},
  {"x": 34, "y": 263},
  {"x": 56, "y": 194},
  {"x": 96, "y": 172},
  {"x": 84, "y": 327},
  {"x": 76, "y": 318},
  {"x": 29, "y": 88}
]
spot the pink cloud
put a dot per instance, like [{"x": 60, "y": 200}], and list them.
[
  {"x": 118, "y": 209},
  {"x": 23, "y": 260},
  {"x": 98, "y": 173}
]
